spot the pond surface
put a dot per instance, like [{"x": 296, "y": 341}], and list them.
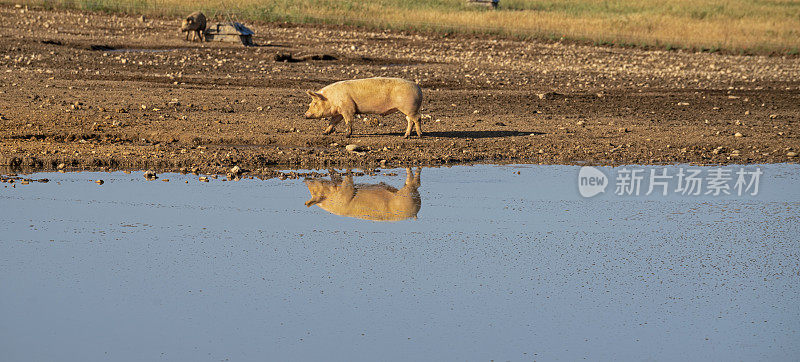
[{"x": 500, "y": 263}]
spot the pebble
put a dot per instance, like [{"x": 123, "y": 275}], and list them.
[
  {"x": 61, "y": 166},
  {"x": 791, "y": 154},
  {"x": 549, "y": 95},
  {"x": 99, "y": 182},
  {"x": 203, "y": 179},
  {"x": 353, "y": 148},
  {"x": 356, "y": 149},
  {"x": 737, "y": 134},
  {"x": 236, "y": 170},
  {"x": 150, "y": 175}
]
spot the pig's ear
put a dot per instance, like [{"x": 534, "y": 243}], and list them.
[
  {"x": 314, "y": 200},
  {"x": 316, "y": 95}
]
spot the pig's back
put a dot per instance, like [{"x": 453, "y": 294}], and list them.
[
  {"x": 199, "y": 20},
  {"x": 377, "y": 203},
  {"x": 379, "y": 91}
]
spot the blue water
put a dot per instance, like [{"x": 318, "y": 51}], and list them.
[{"x": 497, "y": 266}]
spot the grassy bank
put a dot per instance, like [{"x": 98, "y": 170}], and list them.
[{"x": 757, "y": 26}]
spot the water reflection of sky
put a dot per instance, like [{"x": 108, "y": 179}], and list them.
[{"x": 498, "y": 265}]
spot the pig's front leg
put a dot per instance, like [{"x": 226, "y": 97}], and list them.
[
  {"x": 332, "y": 124},
  {"x": 348, "y": 110},
  {"x": 348, "y": 121},
  {"x": 335, "y": 176},
  {"x": 347, "y": 189}
]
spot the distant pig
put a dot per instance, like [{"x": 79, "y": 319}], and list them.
[
  {"x": 343, "y": 100},
  {"x": 194, "y": 24}
]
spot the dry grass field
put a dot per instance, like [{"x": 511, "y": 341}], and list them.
[{"x": 749, "y": 27}]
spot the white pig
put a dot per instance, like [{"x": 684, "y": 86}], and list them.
[
  {"x": 378, "y": 202},
  {"x": 343, "y": 100}
]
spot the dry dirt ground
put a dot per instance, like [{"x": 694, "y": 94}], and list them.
[{"x": 91, "y": 90}]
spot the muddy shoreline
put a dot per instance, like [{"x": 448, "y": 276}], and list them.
[{"x": 99, "y": 91}]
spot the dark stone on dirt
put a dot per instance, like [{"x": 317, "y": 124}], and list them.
[
  {"x": 286, "y": 58},
  {"x": 551, "y": 96},
  {"x": 104, "y": 48},
  {"x": 320, "y": 57}
]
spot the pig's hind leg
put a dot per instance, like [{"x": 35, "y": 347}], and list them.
[{"x": 413, "y": 120}]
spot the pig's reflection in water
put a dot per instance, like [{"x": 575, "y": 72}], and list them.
[{"x": 377, "y": 202}]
